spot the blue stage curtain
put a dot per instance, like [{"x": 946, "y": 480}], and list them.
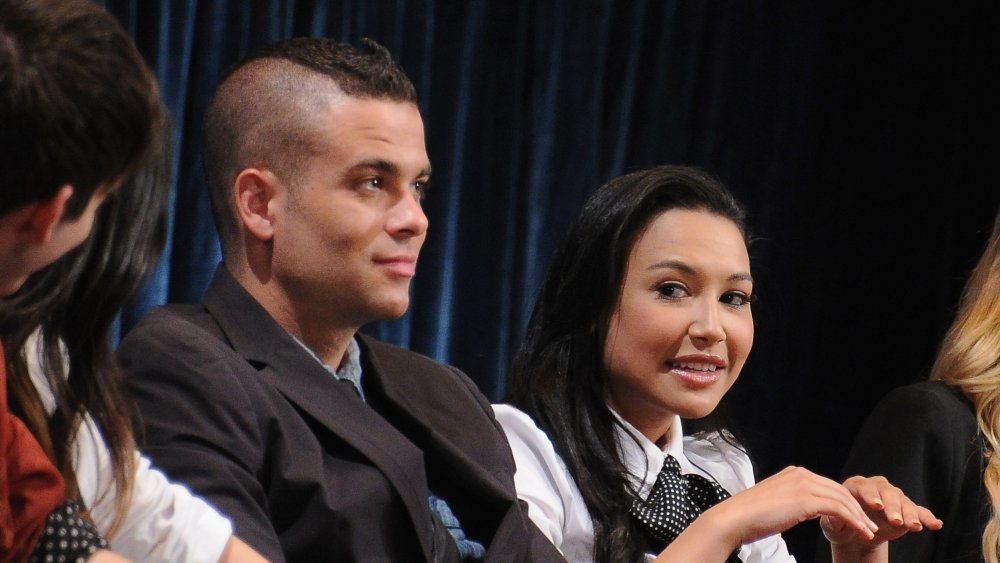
[{"x": 863, "y": 138}]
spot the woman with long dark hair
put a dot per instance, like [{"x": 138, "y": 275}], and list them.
[
  {"x": 644, "y": 320},
  {"x": 82, "y": 116},
  {"x": 65, "y": 381}
]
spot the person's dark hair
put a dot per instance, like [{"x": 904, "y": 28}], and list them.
[
  {"x": 558, "y": 375},
  {"x": 263, "y": 111},
  {"x": 74, "y": 303},
  {"x": 78, "y": 104}
]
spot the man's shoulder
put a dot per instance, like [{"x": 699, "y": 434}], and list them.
[
  {"x": 392, "y": 357},
  {"x": 422, "y": 379},
  {"x": 166, "y": 319},
  {"x": 401, "y": 367},
  {"x": 171, "y": 330},
  {"x": 178, "y": 349}
]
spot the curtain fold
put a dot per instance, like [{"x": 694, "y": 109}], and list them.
[{"x": 862, "y": 138}]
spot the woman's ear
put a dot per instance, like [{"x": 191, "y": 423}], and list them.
[{"x": 255, "y": 188}]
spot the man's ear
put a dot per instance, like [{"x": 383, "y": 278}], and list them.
[
  {"x": 43, "y": 216},
  {"x": 255, "y": 189}
]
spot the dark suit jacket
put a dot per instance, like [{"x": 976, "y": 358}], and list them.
[
  {"x": 924, "y": 438},
  {"x": 232, "y": 405}
]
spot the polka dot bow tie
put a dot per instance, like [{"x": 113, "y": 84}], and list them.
[{"x": 674, "y": 502}]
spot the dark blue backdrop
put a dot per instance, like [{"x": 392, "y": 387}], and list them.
[{"x": 862, "y": 137}]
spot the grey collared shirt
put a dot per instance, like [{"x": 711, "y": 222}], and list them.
[{"x": 350, "y": 364}]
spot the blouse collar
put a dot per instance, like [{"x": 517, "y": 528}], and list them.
[{"x": 643, "y": 458}]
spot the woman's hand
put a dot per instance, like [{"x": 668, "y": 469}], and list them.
[
  {"x": 889, "y": 507},
  {"x": 772, "y": 506},
  {"x": 790, "y": 497}
]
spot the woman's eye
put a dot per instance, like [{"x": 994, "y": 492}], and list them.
[
  {"x": 671, "y": 290},
  {"x": 736, "y": 299}
]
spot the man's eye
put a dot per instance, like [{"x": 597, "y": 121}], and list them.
[
  {"x": 374, "y": 183},
  {"x": 421, "y": 187}
]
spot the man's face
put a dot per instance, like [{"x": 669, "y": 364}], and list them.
[{"x": 348, "y": 233}]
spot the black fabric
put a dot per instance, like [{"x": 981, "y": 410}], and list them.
[
  {"x": 68, "y": 537},
  {"x": 443, "y": 546},
  {"x": 924, "y": 438},
  {"x": 674, "y": 502},
  {"x": 230, "y": 404},
  {"x": 861, "y": 135}
]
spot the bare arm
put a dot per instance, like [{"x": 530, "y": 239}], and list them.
[
  {"x": 795, "y": 495},
  {"x": 106, "y": 556},
  {"x": 238, "y": 552},
  {"x": 775, "y": 504}
]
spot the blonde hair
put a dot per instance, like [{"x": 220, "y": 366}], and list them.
[{"x": 970, "y": 360}]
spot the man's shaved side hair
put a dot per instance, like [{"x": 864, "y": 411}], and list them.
[{"x": 263, "y": 111}]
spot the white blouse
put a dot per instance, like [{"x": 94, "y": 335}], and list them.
[
  {"x": 556, "y": 505},
  {"x": 163, "y": 522}
]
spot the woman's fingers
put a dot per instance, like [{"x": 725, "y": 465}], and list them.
[
  {"x": 864, "y": 511},
  {"x": 795, "y": 495},
  {"x": 841, "y": 502},
  {"x": 889, "y": 505},
  {"x": 929, "y": 520},
  {"x": 881, "y": 496}
]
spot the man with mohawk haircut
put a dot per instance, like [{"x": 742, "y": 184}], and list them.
[{"x": 323, "y": 444}]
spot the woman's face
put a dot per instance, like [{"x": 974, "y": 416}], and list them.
[{"x": 683, "y": 328}]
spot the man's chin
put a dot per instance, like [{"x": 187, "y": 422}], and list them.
[{"x": 393, "y": 310}]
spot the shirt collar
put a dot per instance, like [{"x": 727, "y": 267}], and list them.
[
  {"x": 643, "y": 458},
  {"x": 350, "y": 364}
]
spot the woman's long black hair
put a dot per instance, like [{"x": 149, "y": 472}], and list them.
[
  {"x": 558, "y": 375},
  {"x": 74, "y": 303}
]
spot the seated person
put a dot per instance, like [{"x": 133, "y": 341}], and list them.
[
  {"x": 612, "y": 363},
  {"x": 82, "y": 144},
  {"x": 934, "y": 438},
  {"x": 322, "y": 443}
]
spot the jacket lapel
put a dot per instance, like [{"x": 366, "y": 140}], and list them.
[
  {"x": 280, "y": 359},
  {"x": 477, "y": 497}
]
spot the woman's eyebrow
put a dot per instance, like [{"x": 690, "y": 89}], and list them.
[{"x": 671, "y": 264}]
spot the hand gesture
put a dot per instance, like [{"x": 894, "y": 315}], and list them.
[
  {"x": 885, "y": 504},
  {"x": 796, "y": 495},
  {"x": 772, "y": 506}
]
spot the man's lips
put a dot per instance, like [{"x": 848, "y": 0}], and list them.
[{"x": 405, "y": 266}]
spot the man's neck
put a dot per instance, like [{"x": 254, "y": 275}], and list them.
[
  {"x": 329, "y": 348},
  {"x": 317, "y": 329}
]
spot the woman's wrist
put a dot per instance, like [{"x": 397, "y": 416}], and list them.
[
  {"x": 860, "y": 552},
  {"x": 713, "y": 536}
]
